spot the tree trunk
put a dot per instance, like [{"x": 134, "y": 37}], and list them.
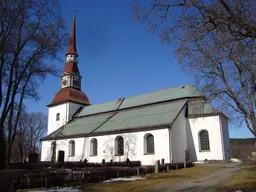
[
  {"x": 8, "y": 152},
  {"x": 2, "y": 146},
  {"x": 21, "y": 153}
]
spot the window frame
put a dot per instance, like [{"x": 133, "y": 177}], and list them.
[
  {"x": 57, "y": 116},
  {"x": 93, "y": 151},
  {"x": 119, "y": 150},
  {"x": 206, "y": 141},
  {"x": 146, "y": 144},
  {"x": 53, "y": 151},
  {"x": 71, "y": 148}
]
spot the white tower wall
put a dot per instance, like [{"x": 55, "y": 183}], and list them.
[{"x": 65, "y": 111}]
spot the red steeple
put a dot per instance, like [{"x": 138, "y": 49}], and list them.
[
  {"x": 71, "y": 78},
  {"x": 71, "y": 55},
  {"x": 72, "y": 38}
]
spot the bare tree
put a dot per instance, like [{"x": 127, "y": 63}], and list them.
[
  {"x": 34, "y": 126},
  {"x": 109, "y": 150},
  {"x": 11, "y": 131},
  {"x": 130, "y": 143},
  {"x": 31, "y": 127},
  {"x": 31, "y": 33},
  {"x": 216, "y": 40}
]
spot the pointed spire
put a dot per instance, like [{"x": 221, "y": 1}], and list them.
[{"x": 72, "y": 38}]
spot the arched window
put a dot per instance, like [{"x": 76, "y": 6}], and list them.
[
  {"x": 119, "y": 143},
  {"x": 72, "y": 148},
  {"x": 149, "y": 144},
  {"x": 53, "y": 149},
  {"x": 57, "y": 116},
  {"x": 94, "y": 147},
  {"x": 204, "y": 141}
]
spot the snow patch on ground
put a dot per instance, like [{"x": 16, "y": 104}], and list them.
[
  {"x": 67, "y": 189},
  {"x": 123, "y": 179},
  {"x": 235, "y": 160},
  {"x": 199, "y": 162}
]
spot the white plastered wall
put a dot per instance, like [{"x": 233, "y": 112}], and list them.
[
  {"x": 106, "y": 148},
  {"x": 212, "y": 125},
  {"x": 226, "y": 139},
  {"x": 179, "y": 138},
  {"x": 52, "y": 112},
  {"x": 66, "y": 111}
]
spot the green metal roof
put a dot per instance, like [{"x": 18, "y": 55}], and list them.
[
  {"x": 185, "y": 91},
  {"x": 168, "y": 94},
  {"x": 161, "y": 114},
  {"x": 147, "y": 116},
  {"x": 99, "y": 108}
]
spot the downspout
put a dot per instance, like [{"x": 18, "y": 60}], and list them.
[{"x": 221, "y": 136}]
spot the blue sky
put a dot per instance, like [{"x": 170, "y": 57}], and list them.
[{"x": 117, "y": 56}]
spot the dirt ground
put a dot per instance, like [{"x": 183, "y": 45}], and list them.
[{"x": 207, "y": 183}]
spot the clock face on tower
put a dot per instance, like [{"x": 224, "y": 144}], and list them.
[
  {"x": 64, "y": 82},
  {"x": 76, "y": 83}
]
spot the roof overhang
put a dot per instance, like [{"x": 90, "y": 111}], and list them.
[{"x": 128, "y": 130}]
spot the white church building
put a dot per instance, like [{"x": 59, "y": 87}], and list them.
[{"x": 174, "y": 124}]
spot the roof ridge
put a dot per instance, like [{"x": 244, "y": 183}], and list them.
[{"x": 159, "y": 90}]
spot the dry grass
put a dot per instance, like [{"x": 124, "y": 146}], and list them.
[
  {"x": 153, "y": 180},
  {"x": 244, "y": 179}
]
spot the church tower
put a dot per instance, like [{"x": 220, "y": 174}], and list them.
[{"x": 70, "y": 97}]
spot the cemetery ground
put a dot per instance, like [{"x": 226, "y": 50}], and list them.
[
  {"x": 212, "y": 177},
  {"x": 245, "y": 179},
  {"x": 201, "y": 178},
  {"x": 154, "y": 181}
]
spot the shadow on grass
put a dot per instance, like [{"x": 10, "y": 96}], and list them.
[
  {"x": 233, "y": 189},
  {"x": 244, "y": 180},
  {"x": 168, "y": 176},
  {"x": 195, "y": 189}
]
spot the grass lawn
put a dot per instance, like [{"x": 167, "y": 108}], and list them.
[
  {"x": 244, "y": 179},
  {"x": 153, "y": 180}
]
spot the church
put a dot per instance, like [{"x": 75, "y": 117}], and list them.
[{"x": 174, "y": 124}]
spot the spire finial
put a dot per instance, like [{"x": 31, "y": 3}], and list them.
[
  {"x": 74, "y": 10},
  {"x": 72, "y": 39}
]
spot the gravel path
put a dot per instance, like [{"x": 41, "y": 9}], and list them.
[{"x": 207, "y": 183}]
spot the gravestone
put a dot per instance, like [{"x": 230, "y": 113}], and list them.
[
  {"x": 33, "y": 158},
  {"x": 157, "y": 165},
  {"x": 61, "y": 155},
  {"x": 138, "y": 171},
  {"x": 254, "y": 155},
  {"x": 186, "y": 155},
  {"x": 128, "y": 162},
  {"x": 103, "y": 163}
]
